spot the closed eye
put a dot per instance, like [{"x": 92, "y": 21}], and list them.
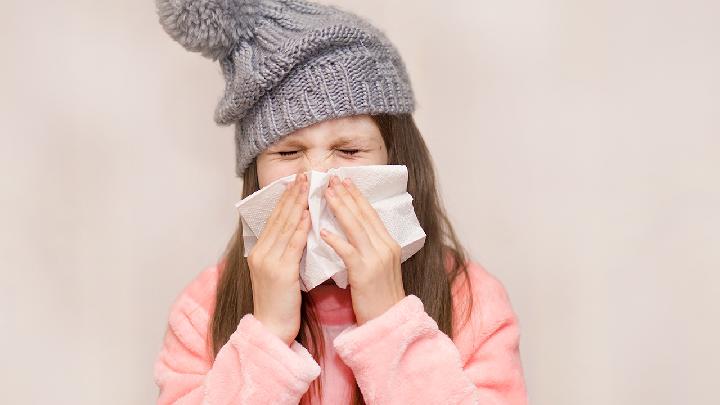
[{"x": 349, "y": 152}]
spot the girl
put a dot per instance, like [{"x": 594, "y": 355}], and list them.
[{"x": 312, "y": 87}]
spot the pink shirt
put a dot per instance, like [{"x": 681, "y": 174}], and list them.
[
  {"x": 400, "y": 357},
  {"x": 333, "y": 307}
]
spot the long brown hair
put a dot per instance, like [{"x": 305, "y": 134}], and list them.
[{"x": 428, "y": 274}]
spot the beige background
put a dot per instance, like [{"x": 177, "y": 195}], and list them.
[{"x": 576, "y": 143}]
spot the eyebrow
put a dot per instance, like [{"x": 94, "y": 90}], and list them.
[
  {"x": 339, "y": 141},
  {"x": 347, "y": 141}
]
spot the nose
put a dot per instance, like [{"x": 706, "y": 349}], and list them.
[{"x": 319, "y": 161}]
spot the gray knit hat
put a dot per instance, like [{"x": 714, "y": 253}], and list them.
[{"x": 288, "y": 64}]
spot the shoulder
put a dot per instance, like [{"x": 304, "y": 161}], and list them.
[
  {"x": 488, "y": 292},
  {"x": 185, "y": 344},
  {"x": 198, "y": 295},
  {"x": 486, "y": 298}
]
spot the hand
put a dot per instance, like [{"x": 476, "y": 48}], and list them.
[
  {"x": 370, "y": 254},
  {"x": 274, "y": 262}
]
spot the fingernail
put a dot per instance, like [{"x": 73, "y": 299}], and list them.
[{"x": 347, "y": 181}]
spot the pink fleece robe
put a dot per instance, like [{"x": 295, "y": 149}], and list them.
[{"x": 399, "y": 357}]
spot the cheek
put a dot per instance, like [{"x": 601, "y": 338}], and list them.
[
  {"x": 271, "y": 171},
  {"x": 377, "y": 157}
]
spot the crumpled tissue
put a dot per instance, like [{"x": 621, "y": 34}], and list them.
[{"x": 384, "y": 186}]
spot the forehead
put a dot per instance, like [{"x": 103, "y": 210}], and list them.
[{"x": 345, "y": 129}]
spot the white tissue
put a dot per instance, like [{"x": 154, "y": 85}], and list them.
[{"x": 384, "y": 186}]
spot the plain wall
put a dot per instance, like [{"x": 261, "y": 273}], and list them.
[{"x": 577, "y": 145}]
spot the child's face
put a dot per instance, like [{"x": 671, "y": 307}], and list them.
[{"x": 346, "y": 141}]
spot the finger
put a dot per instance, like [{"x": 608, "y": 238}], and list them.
[
  {"x": 347, "y": 199},
  {"x": 283, "y": 209},
  {"x": 267, "y": 237},
  {"x": 347, "y": 252},
  {"x": 287, "y": 229},
  {"x": 296, "y": 245},
  {"x": 289, "y": 189},
  {"x": 353, "y": 229},
  {"x": 368, "y": 212}
]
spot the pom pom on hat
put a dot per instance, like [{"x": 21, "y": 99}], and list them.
[{"x": 211, "y": 27}]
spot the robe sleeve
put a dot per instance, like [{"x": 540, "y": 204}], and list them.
[
  {"x": 253, "y": 367},
  {"x": 401, "y": 357}
]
